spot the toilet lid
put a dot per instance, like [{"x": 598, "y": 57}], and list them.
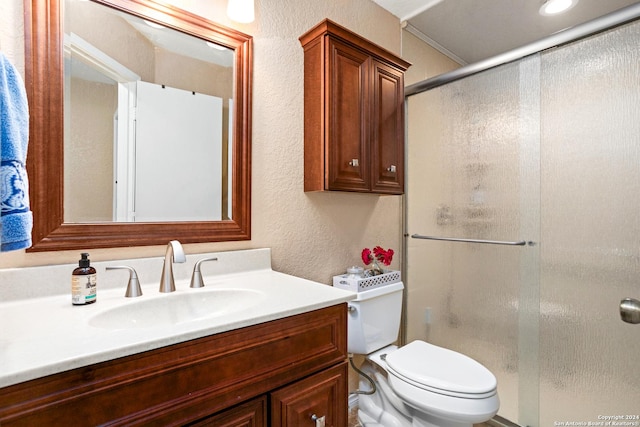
[{"x": 434, "y": 367}]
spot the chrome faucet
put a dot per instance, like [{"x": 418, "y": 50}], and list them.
[
  {"x": 174, "y": 253},
  {"x": 196, "y": 277},
  {"x": 133, "y": 286}
]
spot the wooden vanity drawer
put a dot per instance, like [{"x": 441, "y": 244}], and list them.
[
  {"x": 184, "y": 382},
  {"x": 249, "y": 414}
]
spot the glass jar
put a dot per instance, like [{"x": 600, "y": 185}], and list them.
[{"x": 355, "y": 272}]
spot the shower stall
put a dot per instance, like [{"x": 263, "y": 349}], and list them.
[{"x": 523, "y": 226}]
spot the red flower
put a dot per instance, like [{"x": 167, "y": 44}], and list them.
[
  {"x": 379, "y": 254},
  {"x": 383, "y": 256},
  {"x": 388, "y": 256},
  {"x": 366, "y": 256}
]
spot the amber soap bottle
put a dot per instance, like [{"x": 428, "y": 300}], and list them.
[{"x": 83, "y": 282}]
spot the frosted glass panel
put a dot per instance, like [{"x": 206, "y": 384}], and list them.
[
  {"x": 548, "y": 150},
  {"x": 590, "y": 228},
  {"x": 473, "y": 156}
]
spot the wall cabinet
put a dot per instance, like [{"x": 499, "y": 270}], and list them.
[
  {"x": 353, "y": 113},
  {"x": 296, "y": 366}
]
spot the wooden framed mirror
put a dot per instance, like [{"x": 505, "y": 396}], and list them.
[{"x": 44, "y": 78}]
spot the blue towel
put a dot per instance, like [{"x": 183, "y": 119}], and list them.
[{"x": 16, "y": 219}]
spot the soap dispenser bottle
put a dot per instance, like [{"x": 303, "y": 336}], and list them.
[{"x": 83, "y": 282}]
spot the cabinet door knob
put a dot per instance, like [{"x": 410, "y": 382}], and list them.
[
  {"x": 319, "y": 420},
  {"x": 354, "y": 163},
  {"x": 392, "y": 169}
]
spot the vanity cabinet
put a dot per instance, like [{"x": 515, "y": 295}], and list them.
[
  {"x": 353, "y": 113},
  {"x": 249, "y": 414},
  {"x": 317, "y": 400},
  {"x": 278, "y": 373}
]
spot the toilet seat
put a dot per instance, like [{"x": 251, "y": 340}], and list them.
[{"x": 440, "y": 370}]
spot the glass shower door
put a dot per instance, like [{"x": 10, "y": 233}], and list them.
[
  {"x": 473, "y": 162},
  {"x": 590, "y": 251},
  {"x": 547, "y": 150}
]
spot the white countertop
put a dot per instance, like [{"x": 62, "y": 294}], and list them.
[{"x": 46, "y": 335}]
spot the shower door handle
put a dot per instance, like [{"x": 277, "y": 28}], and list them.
[{"x": 630, "y": 310}]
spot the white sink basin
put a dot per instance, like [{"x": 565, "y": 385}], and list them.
[{"x": 173, "y": 309}]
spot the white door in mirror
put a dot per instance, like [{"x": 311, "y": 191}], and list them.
[{"x": 178, "y": 155}]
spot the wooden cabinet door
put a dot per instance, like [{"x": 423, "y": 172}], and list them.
[
  {"x": 304, "y": 403},
  {"x": 353, "y": 113},
  {"x": 249, "y": 414},
  {"x": 387, "y": 127},
  {"x": 347, "y": 110}
]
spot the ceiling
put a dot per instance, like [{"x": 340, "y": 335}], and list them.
[
  {"x": 472, "y": 30},
  {"x": 181, "y": 44}
]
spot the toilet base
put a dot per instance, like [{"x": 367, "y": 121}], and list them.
[
  {"x": 385, "y": 409},
  {"x": 388, "y": 419}
]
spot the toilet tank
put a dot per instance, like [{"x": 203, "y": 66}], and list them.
[{"x": 374, "y": 318}]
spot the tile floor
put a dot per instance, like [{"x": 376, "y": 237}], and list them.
[{"x": 353, "y": 417}]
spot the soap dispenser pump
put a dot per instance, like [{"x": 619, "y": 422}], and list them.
[{"x": 83, "y": 282}]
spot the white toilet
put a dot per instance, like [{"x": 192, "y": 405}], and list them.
[{"x": 419, "y": 384}]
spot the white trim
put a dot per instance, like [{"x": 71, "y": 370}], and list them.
[
  {"x": 431, "y": 42},
  {"x": 97, "y": 59}
]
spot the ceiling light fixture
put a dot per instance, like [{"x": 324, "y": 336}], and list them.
[
  {"x": 554, "y": 7},
  {"x": 241, "y": 11}
]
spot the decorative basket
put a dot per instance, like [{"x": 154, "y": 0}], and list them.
[{"x": 366, "y": 283}]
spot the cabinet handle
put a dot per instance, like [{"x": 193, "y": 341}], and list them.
[
  {"x": 319, "y": 420},
  {"x": 354, "y": 163},
  {"x": 392, "y": 169}
]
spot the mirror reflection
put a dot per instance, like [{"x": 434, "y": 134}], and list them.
[
  {"x": 55, "y": 229},
  {"x": 147, "y": 120}
]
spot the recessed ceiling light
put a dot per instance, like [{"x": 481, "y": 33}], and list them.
[{"x": 554, "y": 7}]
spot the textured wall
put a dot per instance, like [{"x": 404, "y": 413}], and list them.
[
  {"x": 11, "y": 32},
  {"x": 312, "y": 235}
]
